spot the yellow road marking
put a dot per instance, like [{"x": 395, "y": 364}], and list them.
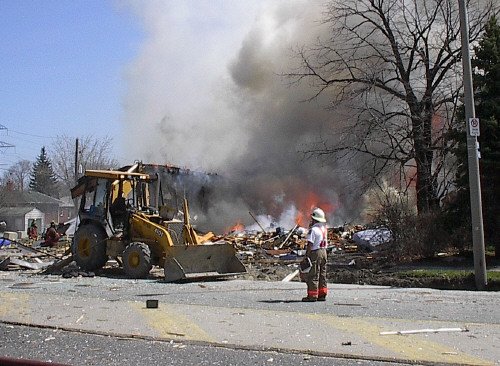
[
  {"x": 170, "y": 324},
  {"x": 16, "y": 306},
  {"x": 410, "y": 347}
]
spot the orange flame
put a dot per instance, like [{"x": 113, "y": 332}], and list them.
[
  {"x": 307, "y": 204},
  {"x": 300, "y": 219},
  {"x": 238, "y": 227}
]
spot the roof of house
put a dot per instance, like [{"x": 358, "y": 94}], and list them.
[
  {"x": 67, "y": 201},
  {"x": 16, "y": 211},
  {"x": 29, "y": 198}
]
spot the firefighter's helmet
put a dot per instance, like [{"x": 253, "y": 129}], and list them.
[{"x": 318, "y": 215}]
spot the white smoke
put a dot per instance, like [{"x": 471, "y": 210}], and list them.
[
  {"x": 178, "y": 103},
  {"x": 205, "y": 92}
]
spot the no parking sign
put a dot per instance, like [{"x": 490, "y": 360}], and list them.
[{"x": 474, "y": 126}]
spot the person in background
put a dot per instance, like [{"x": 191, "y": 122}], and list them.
[
  {"x": 51, "y": 236},
  {"x": 317, "y": 243},
  {"x": 33, "y": 231}
]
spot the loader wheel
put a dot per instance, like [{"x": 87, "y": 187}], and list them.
[
  {"x": 89, "y": 247},
  {"x": 137, "y": 260}
]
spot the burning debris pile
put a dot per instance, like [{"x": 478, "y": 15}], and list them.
[
  {"x": 271, "y": 254},
  {"x": 291, "y": 244}
]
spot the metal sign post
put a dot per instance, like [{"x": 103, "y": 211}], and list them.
[
  {"x": 472, "y": 153},
  {"x": 474, "y": 127}
]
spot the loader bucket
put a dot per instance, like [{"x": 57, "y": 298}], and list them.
[{"x": 204, "y": 260}]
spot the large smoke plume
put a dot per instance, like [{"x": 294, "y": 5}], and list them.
[{"x": 205, "y": 92}]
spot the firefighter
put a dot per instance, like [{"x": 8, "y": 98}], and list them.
[
  {"x": 33, "y": 231},
  {"x": 51, "y": 236},
  {"x": 317, "y": 243}
]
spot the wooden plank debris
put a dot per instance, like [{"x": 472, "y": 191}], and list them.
[
  {"x": 58, "y": 265},
  {"x": 288, "y": 237},
  {"x": 419, "y": 331},
  {"x": 290, "y": 276},
  {"x": 25, "y": 264},
  {"x": 258, "y": 223},
  {"x": 4, "y": 264}
]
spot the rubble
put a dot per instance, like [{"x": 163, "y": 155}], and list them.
[
  {"x": 73, "y": 270},
  {"x": 267, "y": 256},
  {"x": 368, "y": 240},
  {"x": 288, "y": 245},
  {"x": 10, "y": 235},
  {"x": 275, "y": 254},
  {"x": 4, "y": 264},
  {"x": 25, "y": 264},
  {"x": 19, "y": 252}
]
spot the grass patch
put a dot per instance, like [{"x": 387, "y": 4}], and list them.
[
  {"x": 449, "y": 273},
  {"x": 490, "y": 250}
]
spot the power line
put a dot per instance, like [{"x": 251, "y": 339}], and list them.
[
  {"x": 4, "y": 145},
  {"x": 32, "y": 135},
  {"x": 20, "y": 140}
]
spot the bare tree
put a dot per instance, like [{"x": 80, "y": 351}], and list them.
[
  {"x": 395, "y": 66},
  {"x": 94, "y": 153},
  {"x": 18, "y": 175}
]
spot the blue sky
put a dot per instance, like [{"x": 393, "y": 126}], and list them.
[{"x": 61, "y": 71}]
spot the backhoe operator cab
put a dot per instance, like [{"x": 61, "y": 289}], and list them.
[
  {"x": 123, "y": 215},
  {"x": 110, "y": 196}
]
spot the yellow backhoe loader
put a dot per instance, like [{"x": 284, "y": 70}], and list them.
[{"x": 122, "y": 215}]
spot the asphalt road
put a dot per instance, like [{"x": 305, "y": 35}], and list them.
[
  {"x": 73, "y": 348},
  {"x": 101, "y": 320}
]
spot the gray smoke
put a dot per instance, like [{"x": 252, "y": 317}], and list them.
[{"x": 206, "y": 92}]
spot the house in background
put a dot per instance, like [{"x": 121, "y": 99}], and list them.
[
  {"x": 66, "y": 209},
  {"x": 53, "y": 209},
  {"x": 20, "y": 218}
]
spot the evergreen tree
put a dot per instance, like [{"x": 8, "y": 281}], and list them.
[
  {"x": 486, "y": 80},
  {"x": 43, "y": 179},
  {"x": 487, "y": 84}
]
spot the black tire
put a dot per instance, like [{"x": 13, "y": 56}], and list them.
[
  {"x": 137, "y": 260},
  {"x": 89, "y": 247}
]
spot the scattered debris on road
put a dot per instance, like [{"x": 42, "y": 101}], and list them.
[{"x": 419, "y": 331}]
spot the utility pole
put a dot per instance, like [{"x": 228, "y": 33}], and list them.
[
  {"x": 473, "y": 159},
  {"x": 4, "y": 145},
  {"x": 76, "y": 201},
  {"x": 76, "y": 162}
]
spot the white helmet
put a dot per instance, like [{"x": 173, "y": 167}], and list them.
[{"x": 318, "y": 215}]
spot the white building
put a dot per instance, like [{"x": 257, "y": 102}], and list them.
[{"x": 20, "y": 218}]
